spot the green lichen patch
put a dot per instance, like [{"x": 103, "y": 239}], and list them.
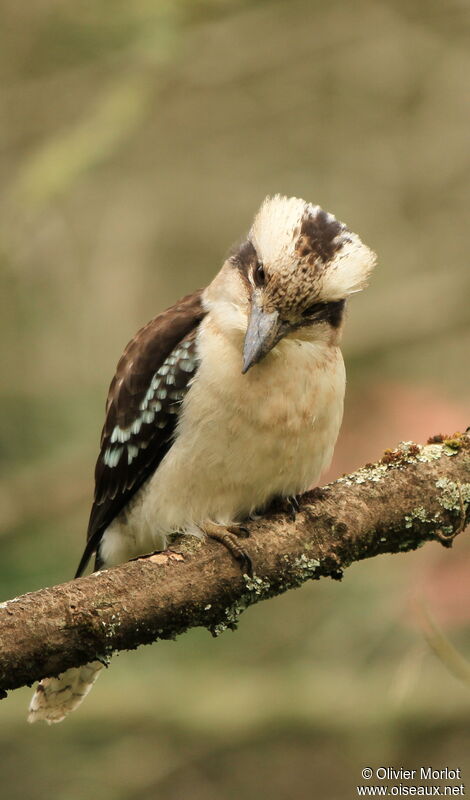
[
  {"x": 419, "y": 514},
  {"x": 229, "y": 620},
  {"x": 447, "y": 530},
  {"x": 256, "y": 589},
  {"x": 256, "y": 586},
  {"x": 374, "y": 473},
  {"x": 409, "y": 453},
  {"x": 405, "y": 453},
  {"x": 299, "y": 570},
  {"x": 405, "y": 545},
  {"x": 306, "y": 567},
  {"x": 112, "y": 626},
  {"x": 430, "y": 452},
  {"x": 453, "y": 497}
]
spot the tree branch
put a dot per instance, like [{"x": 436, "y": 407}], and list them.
[{"x": 415, "y": 494}]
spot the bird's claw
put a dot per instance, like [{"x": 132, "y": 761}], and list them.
[
  {"x": 293, "y": 507},
  {"x": 283, "y": 504},
  {"x": 228, "y": 536},
  {"x": 239, "y": 530}
]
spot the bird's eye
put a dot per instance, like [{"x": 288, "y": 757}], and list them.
[{"x": 259, "y": 275}]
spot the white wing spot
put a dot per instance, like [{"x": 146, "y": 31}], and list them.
[
  {"x": 181, "y": 358},
  {"x": 112, "y": 456},
  {"x": 136, "y": 425},
  {"x": 120, "y": 435},
  {"x": 132, "y": 452}
]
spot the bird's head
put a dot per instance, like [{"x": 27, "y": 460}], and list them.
[{"x": 292, "y": 275}]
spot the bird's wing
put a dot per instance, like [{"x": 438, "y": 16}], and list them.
[{"x": 142, "y": 408}]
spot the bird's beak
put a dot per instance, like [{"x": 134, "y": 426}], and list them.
[{"x": 262, "y": 334}]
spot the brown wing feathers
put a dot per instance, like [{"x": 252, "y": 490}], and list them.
[{"x": 141, "y": 410}]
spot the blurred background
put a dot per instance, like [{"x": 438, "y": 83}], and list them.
[{"x": 136, "y": 142}]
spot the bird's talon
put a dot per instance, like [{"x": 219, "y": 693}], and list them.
[
  {"x": 248, "y": 566},
  {"x": 227, "y": 537},
  {"x": 241, "y": 531},
  {"x": 293, "y": 507},
  {"x": 295, "y": 502}
]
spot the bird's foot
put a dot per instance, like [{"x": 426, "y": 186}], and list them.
[
  {"x": 287, "y": 505},
  {"x": 293, "y": 506},
  {"x": 229, "y": 536}
]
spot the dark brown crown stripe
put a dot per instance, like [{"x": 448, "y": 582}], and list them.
[{"x": 321, "y": 236}]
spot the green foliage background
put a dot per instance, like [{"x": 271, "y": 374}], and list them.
[{"x": 137, "y": 140}]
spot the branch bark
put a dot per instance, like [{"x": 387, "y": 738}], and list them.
[{"x": 415, "y": 494}]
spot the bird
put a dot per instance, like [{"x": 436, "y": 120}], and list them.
[{"x": 227, "y": 401}]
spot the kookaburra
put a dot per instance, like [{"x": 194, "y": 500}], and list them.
[{"x": 228, "y": 400}]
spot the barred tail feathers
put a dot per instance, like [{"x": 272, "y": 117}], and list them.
[{"x": 54, "y": 698}]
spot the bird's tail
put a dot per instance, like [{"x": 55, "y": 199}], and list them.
[{"x": 54, "y": 698}]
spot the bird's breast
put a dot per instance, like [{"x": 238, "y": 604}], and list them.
[{"x": 243, "y": 439}]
